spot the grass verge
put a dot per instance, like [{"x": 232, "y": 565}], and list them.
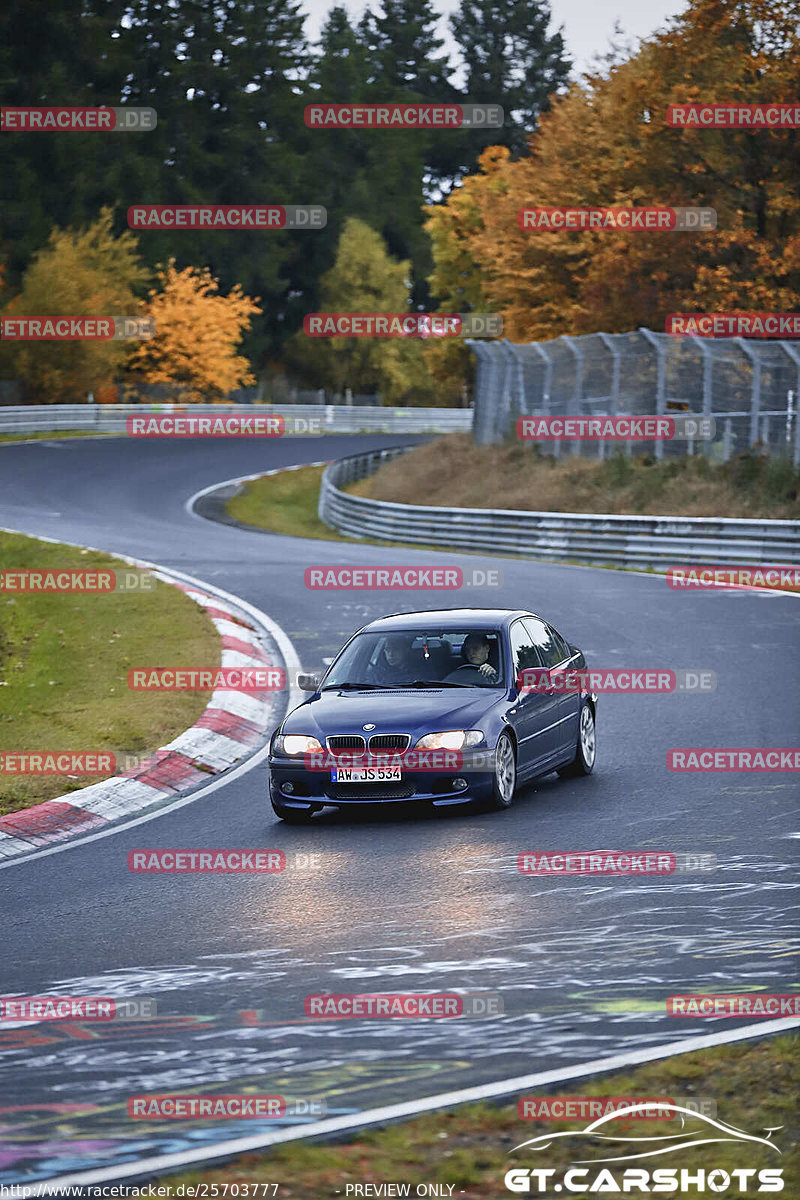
[
  {"x": 64, "y": 660},
  {"x": 453, "y": 471},
  {"x": 753, "y": 1086},
  {"x": 54, "y": 433},
  {"x": 284, "y": 503}
]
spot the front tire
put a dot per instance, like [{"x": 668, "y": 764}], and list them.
[
  {"x": 586, "y": 749},
  {"x": 504, "y": 783}
]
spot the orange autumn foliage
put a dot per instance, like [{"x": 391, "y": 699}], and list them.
[
  {"x": 196, "y": 335},
  {"x": 607, "y": 143}
]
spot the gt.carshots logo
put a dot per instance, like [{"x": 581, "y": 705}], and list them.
[
  {"x": 549, "y": 220},
  {"x": 77, "y": 120},
  {"x": 697, "y": 1128},
  {"x": 397, "y": 578}
]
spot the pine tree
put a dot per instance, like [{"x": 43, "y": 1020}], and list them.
[{"x": 512, "y": 59}]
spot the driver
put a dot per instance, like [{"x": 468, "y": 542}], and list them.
[
  {"x": 394, "y": 663},
  {"x": 475, "y": 652}
]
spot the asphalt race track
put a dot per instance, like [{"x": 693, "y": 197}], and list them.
[{"x": 431, "y": 903}]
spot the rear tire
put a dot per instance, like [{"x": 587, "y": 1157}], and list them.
[{"x": 586, "y": 749}]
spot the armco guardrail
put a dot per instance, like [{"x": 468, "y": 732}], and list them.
[
  {"x": 338, "y": 418},
  {"x": 656, "y": 542}
]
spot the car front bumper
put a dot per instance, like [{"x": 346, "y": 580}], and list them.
[{"x": 471, "y": 780}]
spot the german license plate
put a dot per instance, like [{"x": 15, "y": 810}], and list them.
[{"x": 366, "y": 775}]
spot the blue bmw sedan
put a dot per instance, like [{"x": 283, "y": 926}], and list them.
[{"x": 434, "y": 707}]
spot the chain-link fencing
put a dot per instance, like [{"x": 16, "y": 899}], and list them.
[{"x": 750, "y": 388}]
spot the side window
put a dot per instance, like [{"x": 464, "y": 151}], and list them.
[
  {"x": 549, "y": 647},
  {"x": 563, "y": 647},
  {"x": 523, "y": 650}
]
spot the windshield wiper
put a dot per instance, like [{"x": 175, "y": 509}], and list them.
[
  {"x": 433, "y": 683},
  {"x": 352, "y": 687}
]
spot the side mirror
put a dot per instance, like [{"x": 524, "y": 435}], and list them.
[{"x": 308, "y": 683}]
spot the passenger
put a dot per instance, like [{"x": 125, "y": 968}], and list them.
[{"x": 395, "y": 663}]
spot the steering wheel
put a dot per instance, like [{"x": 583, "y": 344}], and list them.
[{"x": 473, "y": 667}]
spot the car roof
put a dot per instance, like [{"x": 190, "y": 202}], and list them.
[{"x": 463, "y": 618}]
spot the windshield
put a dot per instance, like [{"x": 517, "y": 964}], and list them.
[{"x": 442, "y": 657}]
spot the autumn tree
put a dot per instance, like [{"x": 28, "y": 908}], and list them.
[
  {"x": 80, "y": 272},
  {"x": 196, "y": 335},
  {"x": 607, "y": 143}
]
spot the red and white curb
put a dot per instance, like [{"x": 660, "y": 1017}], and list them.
[{"x": 232, "y": 726}]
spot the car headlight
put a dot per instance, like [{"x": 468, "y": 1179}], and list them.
[
  {"x": 297, "y": 743},
  {"x": 452, "y": 739}
]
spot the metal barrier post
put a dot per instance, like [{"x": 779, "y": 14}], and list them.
[
  {"x": 578, "y": 392},
  {"x": 755, "y": 391},
  {"x": 661, "y": 375},
  {"x": 609, "y": 345},
  {"x": 548, "y": 376},
  {"x": 794, "y": 354}
]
